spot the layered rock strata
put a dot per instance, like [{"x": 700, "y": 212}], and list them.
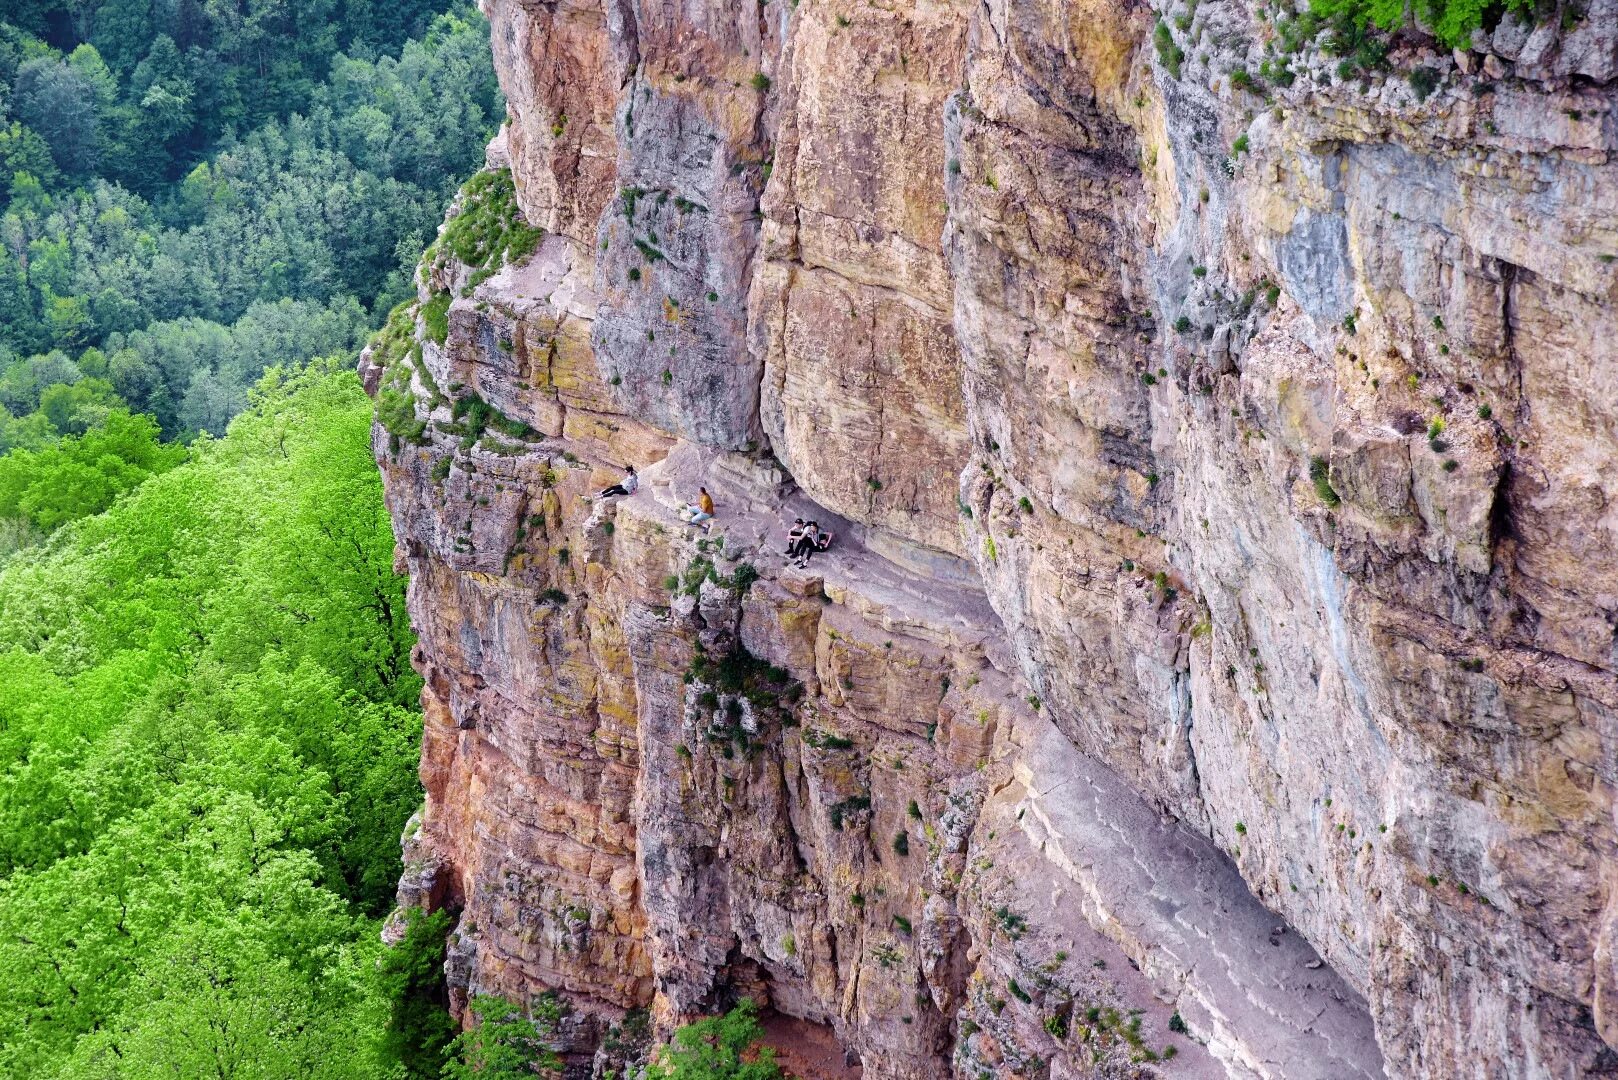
[{"x": 1222, "y": 625}]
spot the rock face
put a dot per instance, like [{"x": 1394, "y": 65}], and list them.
[{"x": 1215, "y": 672}]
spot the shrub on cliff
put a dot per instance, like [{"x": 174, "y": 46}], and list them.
[
  {"x": 1452, "y": 21},
  {"x": 506, "y": 1042},
  {"x": 717, "y": 1048},
  {"x": 411, "y": 974}
]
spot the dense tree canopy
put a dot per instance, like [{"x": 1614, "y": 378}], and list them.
[
  {"x": 135, "y": 209},
  {"x": 208, "y": 731}
]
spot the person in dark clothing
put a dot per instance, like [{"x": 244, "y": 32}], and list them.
[
  {"x": 806, "y": 544},
  {"x": 627, "y": 486},
  {"x": 794, "y": 535}
]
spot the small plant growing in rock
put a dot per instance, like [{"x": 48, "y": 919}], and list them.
[
  {"x": 1177, "y": 1025},
  {"x": 903, "y": 924},
  {"x": 851, "y": 805},
  {"x": 1013, "y": 924},
  {"x": 1018, "y": 992},
  {"x": 1182, "y": 324},
  {"x": 1320, "y": 475},
  {"x": 1241, "y": 829},
  {"x": 1169, "y": 54},
  {"x": 668, "y": 376},
  {"x": 1024, "y": 505},
  {"x": 760, "y": 82},
  {"x": 1199, "y": 271},
  {"x": 1056, "y": 1025},
  {"x": 913, "y": 810},
  {"x": 901, "y": 843},
  {"x": 1423, "y": 81},
  {"x": 789, "y": 944}
]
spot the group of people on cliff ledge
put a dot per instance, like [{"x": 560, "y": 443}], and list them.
[{"x": 804, "y": 539}]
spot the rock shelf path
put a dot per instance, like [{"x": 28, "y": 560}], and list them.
[{"x": 1173, "y": 903}]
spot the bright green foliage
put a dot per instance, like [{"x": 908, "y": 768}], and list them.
[
  {"x": 75, "y": 477},
  {"x": 1169, "y": 54},
  {"x": 717, "y": 1048},
  {"x": 435, "y": 317},
  {"x": 1452, "y": 21},
  {"x": 506, "y": 1043},
  {"x": 1320, "y": 476},
  {"x": 207, "y": 743},
  {"x": 488, "y": 232}
]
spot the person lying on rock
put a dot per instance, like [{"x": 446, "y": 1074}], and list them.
[
  {"x": 627, "y": 486},
  {"x": 700, "y": 512}
]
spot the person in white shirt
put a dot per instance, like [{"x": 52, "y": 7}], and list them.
[{"x": 627, "y": 486}]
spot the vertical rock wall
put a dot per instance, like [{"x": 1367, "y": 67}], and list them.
[{"x": 1223, "y": 450}]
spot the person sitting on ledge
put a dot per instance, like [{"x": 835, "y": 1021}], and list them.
[
  {"x": 701, "y": 512},
  {"x": 627, "y": 486},
  {"x": 794, "y": 535},
  {"x": 806, "y": 545}
]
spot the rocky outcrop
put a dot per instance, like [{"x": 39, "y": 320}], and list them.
[{"x": 1218, "y": 652}]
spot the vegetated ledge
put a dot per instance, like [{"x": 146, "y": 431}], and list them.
[{"x": 1243, "y": 983}]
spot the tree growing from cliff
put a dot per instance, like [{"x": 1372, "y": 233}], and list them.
[
  {"x": 506, "y": 1042},
  {"x": 420, "y": 1028},
  {"x": 717, "y": 1048}
]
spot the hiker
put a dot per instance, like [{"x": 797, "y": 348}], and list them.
[
  {"x": 627, "y": 486},
  {"x": 701, "y": 512},
  {"x": 805, "y": 545},
  {"x": 794, "y": 535}
]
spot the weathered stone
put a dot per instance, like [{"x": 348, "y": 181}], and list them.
[{"x": 1226, "y": 572}]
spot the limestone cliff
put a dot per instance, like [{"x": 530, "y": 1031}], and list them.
[{"x": 1215, "y": 673}]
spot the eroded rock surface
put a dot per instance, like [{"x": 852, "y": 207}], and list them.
[{"x": 1218, "y": 652}]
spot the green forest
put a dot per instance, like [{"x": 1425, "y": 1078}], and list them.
[
  {"x": 192, "y": 191},
  {"x": 210, "y": 727},
  {"x": 208, "y": 722}
]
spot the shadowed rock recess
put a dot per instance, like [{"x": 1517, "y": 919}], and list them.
[{"x": 1215, "y": 671}]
